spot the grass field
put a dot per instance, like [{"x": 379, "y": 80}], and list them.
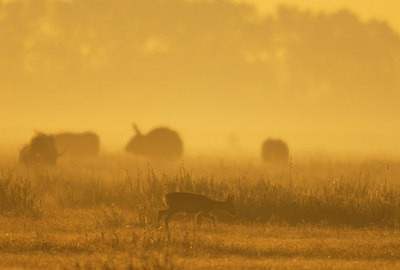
[{"x": 101, "y": 214}]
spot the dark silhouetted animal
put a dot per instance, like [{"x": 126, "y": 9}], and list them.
[
  {"x": 40, "y": 151},
  {"x": 197, "y": 204},
  {"x": 160, "y": 143},
  {"x": 275, "y": 151},
  {"x": 83, "y": 144}
]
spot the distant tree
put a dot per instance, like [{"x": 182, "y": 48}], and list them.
[{"x": 213, "y": 48}]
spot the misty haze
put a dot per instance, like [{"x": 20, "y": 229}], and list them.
[
  {"x": 322, "y": 80},
  {"x": 180, "y": 134}
]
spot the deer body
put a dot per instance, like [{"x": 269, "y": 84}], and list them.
[{"x": 197, "y": 204}]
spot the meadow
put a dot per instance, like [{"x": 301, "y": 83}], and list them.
[{"x": 313, "y": 213}]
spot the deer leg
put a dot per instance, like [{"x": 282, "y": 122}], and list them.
[
  {"x": 213, "y": 220},
  {"x": 197, "y": 218},
  {"x": 161, "y": 214},
  {"x": 210, "y": 216},
  {"x": 168, "y": 217}
]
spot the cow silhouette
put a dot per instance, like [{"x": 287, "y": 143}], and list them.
[
  {"x": 40, "y": 151},
  {"x": 275, "y": 151},
  {"x": 160, "y": 143}
]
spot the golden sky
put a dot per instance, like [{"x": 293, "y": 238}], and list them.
[{"x": 320, "y": 82}]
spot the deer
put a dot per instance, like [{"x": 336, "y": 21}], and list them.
[{"x": 197, "y": 204}]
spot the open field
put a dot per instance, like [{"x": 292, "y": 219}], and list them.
[
  {"x": 85, "y": 239},
  {"x": 101, "y": 214},
  {"x": 276, "y": 122}
]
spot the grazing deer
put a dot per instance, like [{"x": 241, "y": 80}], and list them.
[{"x": 197, "y": 204}]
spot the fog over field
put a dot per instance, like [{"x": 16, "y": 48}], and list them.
[
  {"x": 225, "y": 75},
  {"x": 199, "y": 134}
]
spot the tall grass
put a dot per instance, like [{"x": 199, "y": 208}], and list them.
[
  {"x": 18, "y": 196},
  {"x": 360, "y": 193}
]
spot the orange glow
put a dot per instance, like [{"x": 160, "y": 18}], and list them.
[{"x": 225, "y": 75}]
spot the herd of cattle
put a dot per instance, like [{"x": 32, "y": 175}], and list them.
[{"x": 160, "y": 143}]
